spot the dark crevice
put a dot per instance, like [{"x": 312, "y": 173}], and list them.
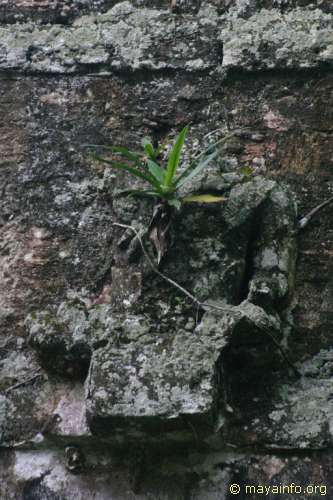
[
  {"x": 220, "y": 51},
  {"x": 254, "y": 233},
  {"x": 222, "y": 381},
  {"x": 70, "y": 363},
  {"x": 104, "y": 71},
  {"x": 104, "y": 279},
  {"x": 34, "y": 489},
  {"x": 238, "y": 74},
  {"x": 159, "y": 131},
  {"x": 229, "y": 77},
  {"x": 30, "y": 52}
]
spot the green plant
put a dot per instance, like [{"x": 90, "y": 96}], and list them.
[{"x": 164, "y": 180}]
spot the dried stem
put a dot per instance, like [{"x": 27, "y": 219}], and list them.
[{"x": 24, "y": 382}]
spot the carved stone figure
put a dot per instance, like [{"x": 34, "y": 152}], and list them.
[{"x": 157, "y": 362}]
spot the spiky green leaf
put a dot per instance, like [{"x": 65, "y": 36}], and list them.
[
  {"x": 192, "y": 171},
  {"x": 174, "y": 157},
  {"x": 156, "y": 171},
  {"x": 131, "y": 170},
  {"x": 148, "y": 148},
  {"x": 121, "y": 150},
  {"x": 138, "y": 192}
]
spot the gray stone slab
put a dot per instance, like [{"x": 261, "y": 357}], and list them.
[{"x": 153, "y": 383}]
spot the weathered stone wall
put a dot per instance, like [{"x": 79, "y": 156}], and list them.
[{"x": 101, "y": 72}]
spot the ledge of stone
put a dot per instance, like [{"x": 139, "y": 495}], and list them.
[
  {"x": 124, "y": 38},
  {"x": 299, "y": 39},
  {"x": 128, "y": 38},
  {"x": 145, "y": 382}
]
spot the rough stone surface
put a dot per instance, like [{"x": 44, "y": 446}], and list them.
[
  {"x": 137, "y": 370},
  {"x": 144, "y": 378},
  {"x": 126, "y": 38},
  {"x": 299, "y": 413},
  {"x": 269, "y": 40},
  {"x": 111, "y": 72},
  {"x": 43, "y": 474},
  {"x": 307, "y": 406},
  {"x": 122, "y": 38}
]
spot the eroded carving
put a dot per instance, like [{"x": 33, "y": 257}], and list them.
[{"x": 155, "y": 363}]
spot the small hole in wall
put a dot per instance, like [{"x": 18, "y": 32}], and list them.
[
  {"x": 158, "y": 133},
  {"x": 248, "y": 373},
  {"x": 72, "y": 365},
  {"x": 78, "y": 370}
]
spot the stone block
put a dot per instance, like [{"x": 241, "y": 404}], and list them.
[{"x": 149, "y": 383}]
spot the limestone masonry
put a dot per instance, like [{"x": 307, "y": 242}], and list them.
[{"x": 113, "y": 385}]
